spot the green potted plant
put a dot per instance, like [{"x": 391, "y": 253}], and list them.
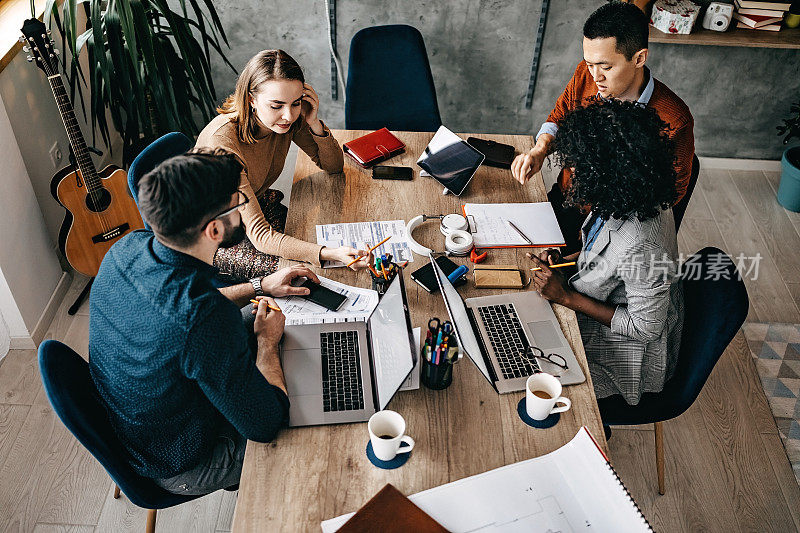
[
  {"x": 789, "y": 188},
  {"x": 148, "y": 64}
]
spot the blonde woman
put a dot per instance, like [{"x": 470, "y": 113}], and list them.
[{"x": 271, "y": 107}]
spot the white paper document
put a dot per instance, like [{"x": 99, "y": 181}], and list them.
[
  {"x": 489, "y": 224},
  {"x": 412, "y": 381},
  {"x": 569, "y": 490},
  {"x": 359, "y": 306},
  {"x": 365, "y": 235}
]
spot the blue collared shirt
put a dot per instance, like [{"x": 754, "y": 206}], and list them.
[
  {"x": 644, "y": 99},
  {"x": 170, "y": 357}
]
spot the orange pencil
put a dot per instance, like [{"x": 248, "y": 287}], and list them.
[
  {"x": 360, "y": 257},
  {"x": 555, "y": 266},
  {"x": 383, "y": 269},
  {"x": 270, "y": 306}
]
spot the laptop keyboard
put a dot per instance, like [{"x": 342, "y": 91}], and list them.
[
  {"x": 341, "y": 371},
  {"x": 508, "y": 340}
]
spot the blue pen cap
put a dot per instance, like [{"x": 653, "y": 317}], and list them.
[{"x": 457, "y": 273}]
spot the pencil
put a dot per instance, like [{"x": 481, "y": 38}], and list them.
[
  {"x": 383, "y": 269},
  {"x": 535, "y": 269},
  {"x": 360, "y": 257},
  {"x": 270, "y": 306}
]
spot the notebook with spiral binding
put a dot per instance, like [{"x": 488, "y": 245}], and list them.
[{"x": 573, "y": 488}]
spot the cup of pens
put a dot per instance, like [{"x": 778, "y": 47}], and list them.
[
  {"x": 382, "y": 273},
  {"x": 439, "y": 354}
]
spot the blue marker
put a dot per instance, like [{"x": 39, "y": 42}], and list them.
[{"x": 457, "y": 273}]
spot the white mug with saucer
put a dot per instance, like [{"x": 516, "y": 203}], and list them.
[
  {"x": 542, "y": 393},
  {"x": 387, "y": 432}
]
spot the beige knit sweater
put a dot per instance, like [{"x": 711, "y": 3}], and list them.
[{"x": 264, "y": 162}]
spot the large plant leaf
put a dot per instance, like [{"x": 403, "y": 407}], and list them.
[{"x": 146, "y": 60}]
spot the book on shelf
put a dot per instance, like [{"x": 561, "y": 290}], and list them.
[
  {"x": 762, "y": 4},
  {"x": 756, "y": 21},
  {"x": 770, "y": 27},
  {"x": 761, "y": 12}
]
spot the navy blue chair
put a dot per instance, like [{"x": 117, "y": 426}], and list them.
[
  {"x": 75, "y": 400},
  {"x": 715, "y": 309},
  {"x": 160, "y": 150},
  {"x": 679, "y": 209},
  {"x": 389, "y": 81}
]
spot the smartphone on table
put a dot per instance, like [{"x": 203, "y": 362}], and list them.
[
  {"x": 323, "y": 296},
  {"x": 385, "y": 172}
]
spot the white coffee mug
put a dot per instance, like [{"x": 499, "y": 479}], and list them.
[
  {"x": 542, "y": 393},
  {"x": 386, "y": 432}
]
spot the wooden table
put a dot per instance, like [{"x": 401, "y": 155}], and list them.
[{"x": 311, "y": 474}]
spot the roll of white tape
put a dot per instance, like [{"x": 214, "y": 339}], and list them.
[
  {"x": 453, "y": 222},
  {"x": 459, "y": 242}
]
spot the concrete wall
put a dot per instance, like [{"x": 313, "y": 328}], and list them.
[{"x": 481, "y": 50}]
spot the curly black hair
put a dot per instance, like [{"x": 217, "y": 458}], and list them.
[{"x": 621, "y": 157}]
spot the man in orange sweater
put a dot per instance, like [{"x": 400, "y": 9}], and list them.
[{"x": 614, "y": 55}]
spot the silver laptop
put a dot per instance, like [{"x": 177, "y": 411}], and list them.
[
  {"x": 346, "y": 371},
  {"x": 503, "y": 333}
]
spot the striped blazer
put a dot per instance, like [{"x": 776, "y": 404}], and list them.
[{"x": 632, "y": 265}]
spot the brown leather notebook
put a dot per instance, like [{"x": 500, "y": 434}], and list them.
[{"x": 390, "y": 511}]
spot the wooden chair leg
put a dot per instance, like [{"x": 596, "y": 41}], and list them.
[
  {"x": 659, "y": 435},
  {"x": 150, "y": 527},
  {"x": 116, "y": 492}
]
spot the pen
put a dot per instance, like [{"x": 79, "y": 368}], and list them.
[
  {"x": 536, "y": 269},
  {"x": 360, "y": 257},
  {"x": 520, "y": 232},
  {"x": 404, "y": 264},
  {"x": 270, "y": 306}
]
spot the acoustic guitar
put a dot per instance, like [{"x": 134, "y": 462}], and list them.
[{"x": 100, "y": 208}]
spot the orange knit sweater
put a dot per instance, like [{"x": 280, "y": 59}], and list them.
[{"x": 672, "y": 110}]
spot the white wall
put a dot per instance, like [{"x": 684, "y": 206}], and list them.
[{"x": 29, "y": 268}]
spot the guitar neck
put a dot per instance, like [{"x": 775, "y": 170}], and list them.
[{"x": 76, "y": 141}]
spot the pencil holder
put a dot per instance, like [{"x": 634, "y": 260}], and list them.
[
  {"x": 380, "y": 284},
  {"x": 438, "y": 376}
]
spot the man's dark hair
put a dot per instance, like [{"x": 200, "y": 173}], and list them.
[
  {"x": 625, "y": 22},
  {"x": 622, "y": 159},
  {"x": 185, "y": 191}
]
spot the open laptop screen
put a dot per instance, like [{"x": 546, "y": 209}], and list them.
[
  {"x": 392, "y": 353},
  {"x": 460, "y": 320}
]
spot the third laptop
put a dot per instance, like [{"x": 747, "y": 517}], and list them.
[{"x": 495, "y": 330}]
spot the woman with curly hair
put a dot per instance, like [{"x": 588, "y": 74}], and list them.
[
  {"x": 626, "y": 291},
  {"x": 271, "y": 107}
]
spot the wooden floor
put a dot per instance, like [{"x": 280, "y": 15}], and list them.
[{"x": 725, "y": 466}]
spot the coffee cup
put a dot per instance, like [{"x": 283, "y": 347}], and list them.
[
  {"x": 542, "y": 393},
  {"x": 387, "y": 432}
]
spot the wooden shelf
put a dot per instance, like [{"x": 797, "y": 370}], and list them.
[{"x": 786, "y": 38}]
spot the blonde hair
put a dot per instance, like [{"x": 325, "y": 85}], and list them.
[{"x": 265, "y": 66}]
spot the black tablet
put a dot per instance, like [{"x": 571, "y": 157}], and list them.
[{"x": 450, "y": 160}]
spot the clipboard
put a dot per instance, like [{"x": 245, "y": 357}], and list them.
[{"x": 537, "y": 219}]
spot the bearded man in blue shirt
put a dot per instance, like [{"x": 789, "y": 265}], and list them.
[{"x": 188, "y": 372}]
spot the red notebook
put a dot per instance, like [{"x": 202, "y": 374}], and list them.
[{"x": 374, "y": 147}]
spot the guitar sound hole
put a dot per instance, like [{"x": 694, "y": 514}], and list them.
[{"x": 98, "y": 200}]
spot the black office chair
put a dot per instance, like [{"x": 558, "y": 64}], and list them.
[
  {"x": 75, "y": 399},
  {"x": 715, "y": 309},
  {"x": 679, "y": 209},
  {"x": 389, "y": 81}
]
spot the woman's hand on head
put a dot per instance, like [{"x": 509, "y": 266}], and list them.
[{"x": 311, "y": 109}]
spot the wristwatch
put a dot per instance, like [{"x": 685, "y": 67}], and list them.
[{"x": 256, "y": 283}]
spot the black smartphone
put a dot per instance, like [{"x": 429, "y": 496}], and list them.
[
  {"x": 323, "y": 296},
  {"x": 385, "y": 172},
  {"x": 426, "y": 278}
]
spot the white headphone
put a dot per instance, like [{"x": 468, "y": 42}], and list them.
[{"x": 458, "y": 240}]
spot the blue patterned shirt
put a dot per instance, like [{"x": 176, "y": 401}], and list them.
[{"x": 170, "y": 357}]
